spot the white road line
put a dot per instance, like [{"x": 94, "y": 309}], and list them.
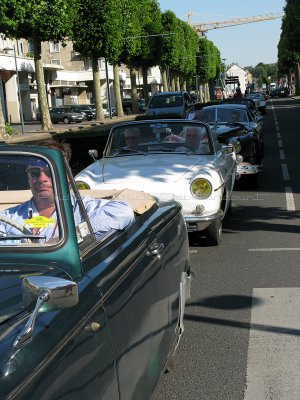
[
  {"x": 273, "y": 367},
  {"x": 276, "y": 249},
  {"x": 193, "y": 251},
  {"x": 290, "y": 203},
  {"x": 279, "y": 143},
  {"x": 285, "y": 172},
  {"x": 281, "y": 154}
]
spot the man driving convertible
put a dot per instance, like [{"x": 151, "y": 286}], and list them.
[{"x": 39, "y": 214}]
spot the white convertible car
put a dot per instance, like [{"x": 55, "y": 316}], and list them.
[{"x": 172, "y": 159}]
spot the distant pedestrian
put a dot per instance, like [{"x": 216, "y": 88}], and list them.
[{"x": 238, "y": 94}]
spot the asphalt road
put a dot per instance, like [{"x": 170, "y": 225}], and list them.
[{"x": 242, "y": 330}]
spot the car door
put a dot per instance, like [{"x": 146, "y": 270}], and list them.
[{"x": 138, "y": 300}]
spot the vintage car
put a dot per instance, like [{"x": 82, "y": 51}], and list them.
[
  {"x": 260, "y": 101},
  {"x": 158, "y": 157},
  {"x": 86, "y": 317},
  {"x": 236, "y": 124}
]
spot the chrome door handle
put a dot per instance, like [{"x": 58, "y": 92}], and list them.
[{"x": 155, "y": 249}]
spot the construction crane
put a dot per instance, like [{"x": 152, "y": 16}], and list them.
[{"x": 202, "y": 27}]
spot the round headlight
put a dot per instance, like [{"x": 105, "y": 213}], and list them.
[
  {"x": 82, "y": 185},
  {"x": 201, "y": 188}
]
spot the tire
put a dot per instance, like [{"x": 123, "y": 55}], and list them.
[
  {"x": 66, "y": 120},
  {"x": 214, "y": 233}
]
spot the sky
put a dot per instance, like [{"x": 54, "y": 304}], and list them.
[{"x": 245, "y": 45}]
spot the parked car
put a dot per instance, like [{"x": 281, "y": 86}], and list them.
[
  {"x": 86, "y": 109},
  {"x": 169, "y": 104},
  {"x": 65, "y": 115},
  {"x": 127, "y": 105},
  {"x": 280, "y": 92},
  {"x": 159, "y": 159},
  {"x": 236, "y": 124},
  {"x": 83, "y": 317}
]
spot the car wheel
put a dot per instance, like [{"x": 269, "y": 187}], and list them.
[
  {"x": 214, "y": 233},
  {"x": 66, "y": 120}
]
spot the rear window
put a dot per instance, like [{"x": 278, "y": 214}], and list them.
[{"x": 166, "y": 101}]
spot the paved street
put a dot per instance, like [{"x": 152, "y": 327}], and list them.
[{"x": 242, "y": 328}]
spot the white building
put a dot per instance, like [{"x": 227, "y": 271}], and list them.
[{"x": 242, "y": 74}]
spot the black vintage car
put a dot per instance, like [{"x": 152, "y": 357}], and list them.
[
  {"x": 82, "y": 317},
  {"x": 236, "y": 124}
]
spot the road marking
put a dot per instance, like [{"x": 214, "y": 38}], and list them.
[
  {"x": 289, "y": 199},
  {"x": 279, "y": 143},
  {"x": 281, "y": 154},
  {"x": 276, "y": 249},
  {"x": 193, "y": 251},
  {"x": 285, "y": 172},
  {"x": 273, "y": 367}
]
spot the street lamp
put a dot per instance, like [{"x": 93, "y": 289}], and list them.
[{"x": 18, "y": 84}]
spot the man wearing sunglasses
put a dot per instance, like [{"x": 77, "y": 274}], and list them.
[{"x": 104, "y": 215}]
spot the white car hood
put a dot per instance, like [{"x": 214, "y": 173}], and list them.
[{"x": 140, "y": 169}]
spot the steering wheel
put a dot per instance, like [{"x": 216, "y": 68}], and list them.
[{"x": 15, "y": 224}]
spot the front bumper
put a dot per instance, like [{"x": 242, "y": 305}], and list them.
[
  {"x": 196, "y": 223},
  {"x": 249, "y": 169}
]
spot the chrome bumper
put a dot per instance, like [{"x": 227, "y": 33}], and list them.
[
  {"x": 198, "y": 223},
  {"x": 247, "y": 169}
]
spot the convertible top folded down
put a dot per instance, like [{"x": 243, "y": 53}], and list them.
[{"x": 138, "y": 200}]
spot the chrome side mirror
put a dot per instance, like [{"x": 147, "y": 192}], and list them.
[
  {"x": 54, "y": 293},
  {"x": 228, "y": 149},
  {"x": 94, "y": 154}
]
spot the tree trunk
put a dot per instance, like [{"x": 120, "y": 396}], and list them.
[
  {"x": 297, "y": 79},
  {"x": 177, "y": 83},
  {"x": 164, "y": 79},
  {"x": 2, "y": 122},
  {"x": 173, "y": 84},
  {"x": 41, "y": 86},
  {"x": 145, "y": 85},
  {"x": 117, "y": 91},
  {"x": 97, "y": 89},
  {"x": 134, "y": 97}
]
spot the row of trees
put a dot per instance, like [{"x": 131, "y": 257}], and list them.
[
  {"x": 132, "y": 32},
  {"x": 289, "y": 43}
]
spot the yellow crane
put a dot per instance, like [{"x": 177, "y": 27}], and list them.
[{"x": 202, "y": 27}]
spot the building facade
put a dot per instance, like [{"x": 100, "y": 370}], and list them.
[{"x": 68, "y": 78}]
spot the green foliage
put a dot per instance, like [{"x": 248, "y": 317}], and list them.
[
  {"x": 289, "y": 44},
  {"x": 9, "y": 130},
  {"x": 98, "y": 29},
  {"x": 47, "y": 20},
  {"x": 208, "y": 60}
]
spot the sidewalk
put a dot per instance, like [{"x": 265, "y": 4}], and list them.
[{"x": 32, "y": 129}]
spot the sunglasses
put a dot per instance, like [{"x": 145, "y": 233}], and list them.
[{"x": 35, "y": 172}]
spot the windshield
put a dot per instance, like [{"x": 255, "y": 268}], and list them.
[
  {"x": 26, "y": 188},
  {"x": 219, "y": 115},
  {"x": 159, "y": 137},
  {"x": 166, "y": 100}
]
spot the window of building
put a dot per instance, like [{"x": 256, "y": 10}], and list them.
[
  {"x": 54, "y": 47},
  {"x": 56, "y": 62},
  {"x": 88, "y": 63}
]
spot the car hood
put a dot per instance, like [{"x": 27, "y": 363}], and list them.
[
  {"x": 162, "y": 168},
  {"x": 11, "y": 278}
]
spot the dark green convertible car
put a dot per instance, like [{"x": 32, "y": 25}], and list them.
[{"x": 82, "y": 316}]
